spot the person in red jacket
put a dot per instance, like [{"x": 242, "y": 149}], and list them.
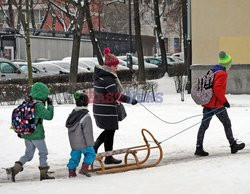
[{"x": 216, "y": 106}]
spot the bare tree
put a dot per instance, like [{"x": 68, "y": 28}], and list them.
[
  {"x": 160, "y": 36},
  {"x": 75, "y": 12},
  {"x": 173, "y": 19},
  {"x": 116, "y": 17},
  {"x": 94, "y": 41},
  {"x": 25, "y": 21},
  {"x": 138, "y": 40},
  {"x": 9, "y": 18}
]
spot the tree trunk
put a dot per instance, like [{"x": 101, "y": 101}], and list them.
[
  {"x": 32, "y": 16},
  {"x": 180, "y": 27},
  {"x": 77, "y": 33},
  {"x": 93, "y": 39},
  {"x": 164, "y": 65},
  {"x": 74, "y": 58},
  {"x": 184, "y": 26},
  {"x": 138, "y": 41},
  {"x": 27, "y": 35},
  {"x": 11, "y": 15},
  {"x": 19, "y": 20}
]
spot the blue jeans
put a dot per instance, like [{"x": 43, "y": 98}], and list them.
[{"x": 89, "y": 157}]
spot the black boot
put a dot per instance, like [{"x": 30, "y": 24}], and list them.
[
  {"x": 98, "y": 143},
  {"x": 236, "y": 147},
  {"x": 200, "y": 152},
  {"x": 44, "y": 173},
  {"x": 13, "y": 171},
  {"x": 111, "y": 160}
]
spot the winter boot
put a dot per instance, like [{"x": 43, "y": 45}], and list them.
[
  {"x": 111, "y": 160},
  {"x": 200, "y": 152},
  {"x": 13, "y": 171},
  {"x": 84, "y": 170},
  {"x": 72, "y": 173},
  {"x": 44, "y": 173},
  {"x": 98, "y": 143},
  {"x": 236, "y": 147}
]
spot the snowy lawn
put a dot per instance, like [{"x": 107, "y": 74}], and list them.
[{"x": 179, "y": 171}]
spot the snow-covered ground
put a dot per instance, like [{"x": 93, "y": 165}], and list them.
[{"x": 179, "y": 171}]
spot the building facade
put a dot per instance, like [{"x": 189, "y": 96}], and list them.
[
  {"x": 220, "y": 25},
  {"x": 55, "y": 19}
]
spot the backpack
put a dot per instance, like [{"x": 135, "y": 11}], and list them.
[
  {"x": 202, "y": 88},
  {"x": 23, "y": 118}
]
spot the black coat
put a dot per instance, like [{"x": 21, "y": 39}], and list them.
[{"x": 106, "y": 94}]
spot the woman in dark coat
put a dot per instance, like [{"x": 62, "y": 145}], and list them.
[{"x": 108, "y": 92}]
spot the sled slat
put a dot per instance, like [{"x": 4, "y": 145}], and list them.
[{"x": 136, "y": 164}]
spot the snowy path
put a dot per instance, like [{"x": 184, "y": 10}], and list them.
[{"x": 180, "y": 172}]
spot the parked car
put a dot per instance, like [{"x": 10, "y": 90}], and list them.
[
  {"x": 51, "y": 68},
  {"x": 89, "y": 66},
  {"x": 8, "y": 70},
  {"x": 66, "y": 65},
  {"x": 135, "y": 62},
  {"x": 178, "y": 57},
  {"x": 157, "y": 60},
  {"x": 41, "y": 60},
  {"x": 23, "y": 67},
  {"x": 91, "y": 62}
]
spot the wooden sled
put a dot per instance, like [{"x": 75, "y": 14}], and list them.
[{"x": 136, "y": 162}]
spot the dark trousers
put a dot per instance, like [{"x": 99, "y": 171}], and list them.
[
  {"x": 106, "y": 137},
  {"x": 222, "y": 115}
]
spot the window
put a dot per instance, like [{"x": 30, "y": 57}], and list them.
[
  {"x": 38, "y": 15},
  {"x": 2, "y": 16},
  {"x": 176, "y": 45},
  {"x": 7, "y": 68}
]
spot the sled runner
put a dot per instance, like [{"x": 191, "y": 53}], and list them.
[{"x": 137, "y": 163}]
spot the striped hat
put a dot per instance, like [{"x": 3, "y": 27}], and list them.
[{"x": 224, "y": 59}]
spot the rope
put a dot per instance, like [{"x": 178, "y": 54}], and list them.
[
  {"x": 190, "y": 127},
  {"x": 183, "y": 120},
  {"x": 176, "y": 121}
]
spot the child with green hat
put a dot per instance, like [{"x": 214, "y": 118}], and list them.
[
  {"x": 80, "y": 132},
  {"x": 217, "y": 106}
]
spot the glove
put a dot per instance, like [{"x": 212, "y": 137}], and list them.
[
  {"x": 49, "y": 101},
  {"x": 134, "y": 102},
  {"x": 226, "y": 104}
]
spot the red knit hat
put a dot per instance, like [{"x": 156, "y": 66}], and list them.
[{"x": 110, "y": 59}]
